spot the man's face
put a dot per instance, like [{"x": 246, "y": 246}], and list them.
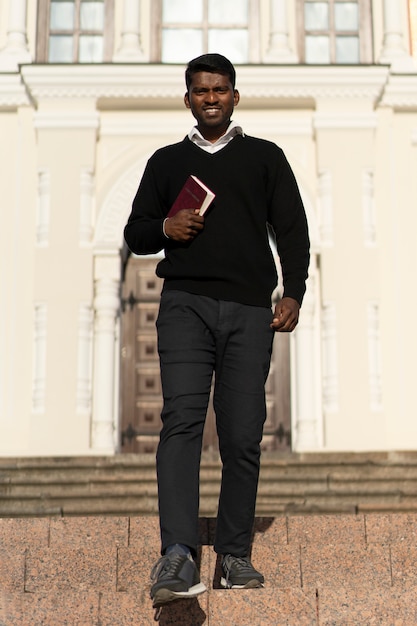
[{"x": 211, "y": 99}]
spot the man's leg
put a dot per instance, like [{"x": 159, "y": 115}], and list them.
[
  {"x": 244, "y": 345},
  {"x": 186, "y": 349}
]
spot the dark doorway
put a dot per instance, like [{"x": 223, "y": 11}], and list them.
[{"x": 141, "y": 398}]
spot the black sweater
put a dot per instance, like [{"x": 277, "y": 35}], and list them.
[{"x": 231, "y": 258}]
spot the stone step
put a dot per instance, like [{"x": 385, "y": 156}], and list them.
[
  {"x": 126, "y": 484},
  {"x": 319, "y": 570}
]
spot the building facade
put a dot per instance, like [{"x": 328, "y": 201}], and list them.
[{"x": 88, "y": 91}]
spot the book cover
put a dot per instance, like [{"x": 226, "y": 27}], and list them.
[{"x": 193, "y": 195}]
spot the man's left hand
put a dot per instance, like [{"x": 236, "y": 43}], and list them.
[{"x": 286, "y": 315}]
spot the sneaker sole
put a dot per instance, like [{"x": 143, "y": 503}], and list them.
[
  {"x": 251, "y": 584},
  {"x": 164, "y": 596}
]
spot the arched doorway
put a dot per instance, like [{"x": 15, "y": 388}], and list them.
[{"x": 140, "y": 391}]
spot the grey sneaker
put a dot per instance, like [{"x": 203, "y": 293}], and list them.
[
  {"x": 175, "y": 576},
  {"x": 239, "y": 573}
]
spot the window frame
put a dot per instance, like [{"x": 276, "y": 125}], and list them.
[
  {"x": 43, "y": 33},
  {"x": 253, "y": 27},
  {"x": 364, "y": 32}
]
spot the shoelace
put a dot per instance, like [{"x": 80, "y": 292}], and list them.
[
  {"x": 241, "y": 563},
  {"x": 166, "y": 563}
]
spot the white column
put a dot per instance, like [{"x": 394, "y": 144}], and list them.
[
  {"x": 16, "y": 48},
  {"x": 130, "y": 50},
  {"x": 279, "y": 50},
  {"x": 307, "y": 410},
  {"x": 106, "y": 306},
  {"x": 394, "y": 49}
]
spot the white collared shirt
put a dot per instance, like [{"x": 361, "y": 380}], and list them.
[{"x": 196, "y": 137}]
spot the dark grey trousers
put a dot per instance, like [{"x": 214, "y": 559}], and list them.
[{"x": 199, "y": 336}]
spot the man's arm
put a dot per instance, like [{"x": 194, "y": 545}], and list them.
[
  {"x": 286, "y": 315},
  {"x": 184, "y": 226},
  {"x": 144, "y": 229},
  {"x": 148, "y": 230},
  {"x": 289, "y": 222}
]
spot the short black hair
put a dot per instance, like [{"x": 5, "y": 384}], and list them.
[{"x": 214, "y": 63}]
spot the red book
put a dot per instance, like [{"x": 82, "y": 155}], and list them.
[{"x": 193, "y": 195}]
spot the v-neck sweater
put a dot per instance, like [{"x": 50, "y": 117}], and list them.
[{"x": 230, "y": 259}]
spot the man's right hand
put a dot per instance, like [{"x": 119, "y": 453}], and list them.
[{"x": 185, "y": 225}]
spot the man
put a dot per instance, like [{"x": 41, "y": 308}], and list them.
[{"x": 215, "y": 317}]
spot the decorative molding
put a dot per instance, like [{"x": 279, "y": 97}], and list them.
[
  {"x": 86, "y": 207},
  {"x": 115, "y": 209},
  {"x": 330, "y": 359},
  {"x": 106, "y": 308},
  {"x": 368, "y": 208},
  {"x": 66, "y": 119},
  {"x": 11, "y": 59},
  {"x": 325, "y": 206},
  {"x": 44, "y": 208},
  {"x": 12, "y": 92},
  {"x": 400, "y": 92},
  {"x": 374, "y": 357},
  {"x": 39, "y": 358},
  {"x": 308, "y": 82},
  {"x": 84, "y": 363},
  {"x": 148, "y": 82}
]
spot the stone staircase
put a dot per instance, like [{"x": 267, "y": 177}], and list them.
[
  {"x": 320, "y": 570},
  {"x": 289, "y": 484},
  {"x": 335, "y": 537}
]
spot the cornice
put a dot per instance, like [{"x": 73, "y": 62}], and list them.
[
  {"x": 103, "y": 81},
  {"x": 317, "y": 82},
  {"x": 66, "y": 119},
  {"x": 152, "y": 83},
  {"x": 401, "y": 92},
  {"x": 12, "y": 92}
]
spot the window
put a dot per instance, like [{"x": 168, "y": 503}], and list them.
[
  {"x": 75, "y": 31},
  {"x": 335, "y": 31},
  {"x": 187, "y": 28}
]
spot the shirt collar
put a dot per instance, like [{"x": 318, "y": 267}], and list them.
[{"x": 232, "y": 130}]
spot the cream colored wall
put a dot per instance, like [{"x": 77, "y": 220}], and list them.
[
  {"x": 64, "y": 280},
  {"x": 17, "y": 277},
  {"x": 396, "y": 197},
  {"x": 58, "y": 275},
  {"x": 349, "y": 281}
]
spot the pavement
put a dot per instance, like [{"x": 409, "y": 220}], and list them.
[{"x": 319, "y": 570}]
